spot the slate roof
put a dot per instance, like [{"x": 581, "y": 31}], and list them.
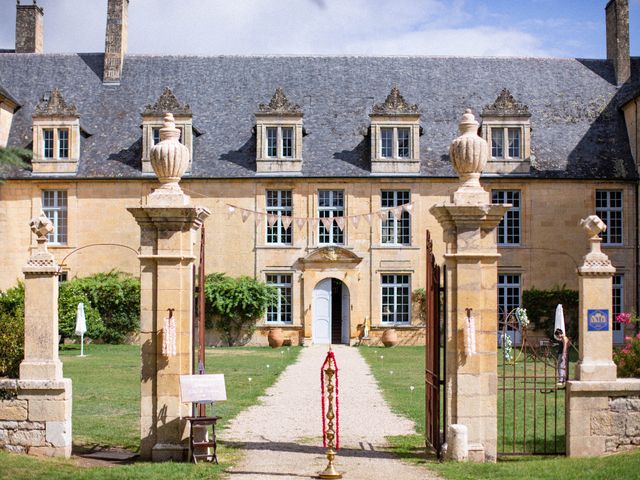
[{"x": 578, "y": 131}]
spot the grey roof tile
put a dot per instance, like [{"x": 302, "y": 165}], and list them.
[{"x": 578, "y": 131}]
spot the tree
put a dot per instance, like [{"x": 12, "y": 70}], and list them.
[
  {"x": 13, "y": 157},
  {"x": 233, "y": 305}
]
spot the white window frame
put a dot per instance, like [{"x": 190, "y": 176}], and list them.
[
  {"x": 56, "y": 143},
  {"x": 282, "y": 281},
  {"x": 391, "y": 310},
  {"x": 511, "y": 220},
  {"x": 507, "y": 281},
  {"x": 280, "y": 142},
  {"x": 605, "y": 213},
  {"x": 617, "y": 299},
  {"x": 334, "y": 212},
  {"x": 281, "y": 210},
  {"x": 156, "y": 129},
  {"x": 58, "y": 213},
  {"x": 391, "y": 223},
  {"x": 395, "y": 144},
  {"x": 505, "y": 141}
]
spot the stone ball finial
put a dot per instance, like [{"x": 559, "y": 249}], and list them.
[
  {"x": 593, "y": 225},
  {"x": 41, "y": 226},
  {"x": 169, "y": 158}
]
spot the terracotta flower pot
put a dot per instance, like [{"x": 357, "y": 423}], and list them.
[
  {"x": 390, "y": 338},
  {"x": 275, "y": 337}
]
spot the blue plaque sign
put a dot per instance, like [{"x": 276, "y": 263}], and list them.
[{"x": 597, "y": 320}]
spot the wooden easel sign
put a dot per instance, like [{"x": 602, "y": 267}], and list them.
[{"x": 202, "y": 388}]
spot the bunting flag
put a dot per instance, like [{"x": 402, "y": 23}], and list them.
[{"x": 286, "y": 221}]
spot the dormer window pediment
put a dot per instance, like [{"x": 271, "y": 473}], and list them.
[
  {"x": 279, "y": 135},
  {"x": 395, "y": 135},
  {"x": 506, "y": 126},
  {"x": 56, "y": 135},
  {"x": 152, "y": 122}
]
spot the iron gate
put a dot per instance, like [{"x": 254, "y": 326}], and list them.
[
  {"x": 435, "y": 364},
  {"x": 531, "y": 402}
]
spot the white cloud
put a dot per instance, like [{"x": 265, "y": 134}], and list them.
[{"x": 209, "y": 27}]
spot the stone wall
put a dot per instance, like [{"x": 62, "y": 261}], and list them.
[
  {"x": 35, "y": 417},
  {"x": 603, "y": 417}
]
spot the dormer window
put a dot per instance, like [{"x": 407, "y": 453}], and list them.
[
  {"x": 56, "y": 135},
  {"x": 506, "y": 127},
  {"x": 395, "y": 136},
  {"x": 152, "y": 121},
  {"x": 279, "y": 135}
]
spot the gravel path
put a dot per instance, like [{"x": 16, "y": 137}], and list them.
[{"x": 282, "y": 435}]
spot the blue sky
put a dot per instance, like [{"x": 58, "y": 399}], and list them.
[{"x": 565, "y": 28}]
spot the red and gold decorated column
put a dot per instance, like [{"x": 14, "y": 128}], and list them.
[{"x": 330, "y": 413}]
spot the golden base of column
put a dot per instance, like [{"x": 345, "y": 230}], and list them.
[{"x": 330, "y": 471}]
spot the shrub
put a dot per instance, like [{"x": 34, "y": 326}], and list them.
[
  {"x": 233, "y": 305},
  {"x": 627, "y": 358},
  {"x": 116, "y": 297},
  {"x": 11, "y": 344},
  {"x": 541, "y": 308},
  {"x": 70, "y": 295}
]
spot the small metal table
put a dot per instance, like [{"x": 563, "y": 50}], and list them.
[{"x": 211, "y": 443}]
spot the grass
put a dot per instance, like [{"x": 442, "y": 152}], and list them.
[
  {"x": 407, "y": 365},
  {"x": 106, "y": 406}
]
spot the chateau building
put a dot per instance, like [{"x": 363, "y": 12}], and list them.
[{"x": 320, "y": 171}]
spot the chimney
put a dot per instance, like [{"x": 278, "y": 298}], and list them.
[
  {"x": 29, "y": 28},
  {"x": 617, "y": 18},
  {"x": 115, "y": 45}
]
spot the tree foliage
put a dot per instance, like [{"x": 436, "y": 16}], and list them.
[
  {"x": 13, "y": 157},
  {"x": 233, "y": 305},
  {"x": 541, "y": 308}
]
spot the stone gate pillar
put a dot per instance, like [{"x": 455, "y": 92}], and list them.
[
  {"x": 168, "y": 225},
  {"x": 469, "y": 221}
]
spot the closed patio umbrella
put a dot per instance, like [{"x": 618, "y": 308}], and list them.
[
  {"x": 559, "y": 323},
  {"x": 81, "y": 326}
]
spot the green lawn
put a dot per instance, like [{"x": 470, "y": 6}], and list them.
[
  {"x": 106, "y": 406},
  {"x": 407, "y": 365}
]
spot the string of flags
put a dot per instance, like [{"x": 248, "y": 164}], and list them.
[{"x": 286, "y": 220}]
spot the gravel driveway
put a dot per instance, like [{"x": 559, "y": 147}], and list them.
[{"x": 282, "y": 435}]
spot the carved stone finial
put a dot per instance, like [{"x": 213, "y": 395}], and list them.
[
  {"x": 469, "y": 153},
  {"x": 506, "y": 106},
  {"x": 167, "y": 102},
  {"x": 41, "y": 261},
  {"x": 395, "y": 104},
  {"x": 280, "y": 105},
  {"x": 54, "y": 105},
  {"x": 170, "y": 160},
  {"x": 595, "y": 262}
]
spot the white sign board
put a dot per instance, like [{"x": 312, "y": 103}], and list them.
[{"x": 202, "y": 388}]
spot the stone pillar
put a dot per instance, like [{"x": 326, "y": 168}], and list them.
[
  {"x": 44, "y": 397},
  {"x": 595, "y": 281},
  {"x": 115, "y": 43},
  {"x": 41, "y": 361},
  {"x": 168, "y": 226},
  {"x": 469, "y": 221},
  {"x": 29, "y": 28}
]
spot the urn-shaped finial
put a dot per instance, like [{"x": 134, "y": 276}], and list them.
[
  {"x": 469, "y": 153},
  {"x": 169, "y": 157}
]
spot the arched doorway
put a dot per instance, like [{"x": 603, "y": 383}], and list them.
[{"x": 330, "y": 309}]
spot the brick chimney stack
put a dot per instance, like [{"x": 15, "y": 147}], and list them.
[
  {"x": 29, "y": 28},
  {"x": 617, "y": 18},
  {"x": 115, "y": 45}
]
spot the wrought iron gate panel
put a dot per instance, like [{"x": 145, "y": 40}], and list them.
[
  {"x": 531, "y": 405},
  {"x": 434, "y": 393}
]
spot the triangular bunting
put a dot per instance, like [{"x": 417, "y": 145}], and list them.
[
  {"x": 300, "y": 223},
  {"x": 397, "y": 212},
  {"x": 258, "y": 217},
  {"x": 245, "y": 214},
  {"x": 313, "y": 222},
  {"x": 383, "y": 214},
  {"x": 286, "y": 221},
  {"x": 368, "y": 217},
  {"x": 327, "y": 222},
  {"x": 272, "y": 220},
  {"x": 340, "y": 222},
  {"x": 356, "y": 221},
  {"x": 408, "y": 207}
]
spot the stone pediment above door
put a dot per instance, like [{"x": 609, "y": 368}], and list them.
[{"x": 328, "y": 257}]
